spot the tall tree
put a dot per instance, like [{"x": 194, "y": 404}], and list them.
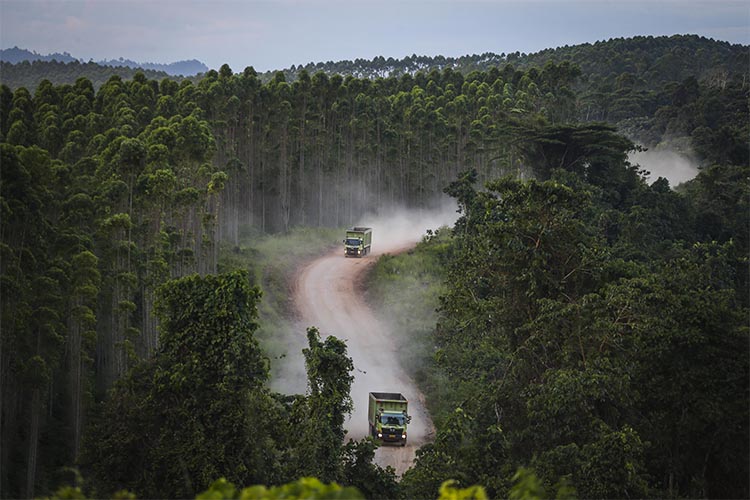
[
  {"x": 190, "y": 414},
  {"x": 329, "y": 402}
]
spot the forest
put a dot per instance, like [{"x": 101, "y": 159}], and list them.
[{"x": 591, "y": 334}]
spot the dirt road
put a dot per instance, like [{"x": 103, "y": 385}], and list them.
[{"x": 328, "y": 295}]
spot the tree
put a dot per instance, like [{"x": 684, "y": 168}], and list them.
[
  {"x": 329, "y": 380},
  {"x": 195, "y": 410},
  {"x": 307, "y": 488},
  {"x": 360, "y": 472}
]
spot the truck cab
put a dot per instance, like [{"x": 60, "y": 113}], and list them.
[{"x": 391, "y": 427}]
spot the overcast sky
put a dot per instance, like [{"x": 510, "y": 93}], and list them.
[{"x": 275, "y": 34}]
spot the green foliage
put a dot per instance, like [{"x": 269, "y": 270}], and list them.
[
  {"x": 574, "y": 353},
  {"x": 455, "y": 455},
  {"x": 221, "y": 489},
  {"x": 448, "y": 491},
  {"x": 304, "y": 488},
  {"x": 107, "y": 229},
  {"x": 194, "y": 409},
  {"x": 527, "y": 487},
  {"x": 636, "y": 61},
  {"x": 329, "y": 381},
  {"x": 594, "y": 152},
  {"x": 214, "y": 317},
  {"x": 30, "y": 74},
  {"x": 362, "y": 473}
]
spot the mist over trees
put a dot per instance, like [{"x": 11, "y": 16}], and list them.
[{"x": 597, "y": 323}]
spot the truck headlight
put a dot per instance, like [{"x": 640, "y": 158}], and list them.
[
  {"x": 380, "y": 434},
  {"x": 403, "y": 436}
]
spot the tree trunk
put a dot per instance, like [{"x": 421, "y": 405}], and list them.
[
  {"x": 76, "y": 384},
  {"x": 33, "y": 442}
]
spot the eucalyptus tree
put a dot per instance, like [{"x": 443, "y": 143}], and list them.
[
  {"x": 33, "y": 311},
  {"x": 6, "y": 105},
  {"x": 21, "y": 119}
]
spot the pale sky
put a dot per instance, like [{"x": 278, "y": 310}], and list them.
[{"x": 274, "y": 34}]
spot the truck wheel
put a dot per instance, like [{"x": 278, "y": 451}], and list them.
[{"x": 403, "y": 444}]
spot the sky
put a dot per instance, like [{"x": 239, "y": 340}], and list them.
[{"x": 275, "y": 34}]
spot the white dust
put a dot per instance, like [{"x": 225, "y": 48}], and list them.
[
  {"x": 393, "y": 229},
  {"x": 674, "y": 166}
]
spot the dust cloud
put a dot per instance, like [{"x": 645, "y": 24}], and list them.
[
  {"x": 674, "y": 166},
  {"x": 328, "y": 294},
  {"x": 394, "y": 228}
]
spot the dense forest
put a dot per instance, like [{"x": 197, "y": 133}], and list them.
[
  {"x": 595, "y": 329},
  {"x": 595, "y": 325}
]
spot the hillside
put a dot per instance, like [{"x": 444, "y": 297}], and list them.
[
  {"x": 622, "y": 80},
  {"x": 650, "y": 59},
  {"x": 30, "y": 74},
  {"x": 17, "y": 55}
]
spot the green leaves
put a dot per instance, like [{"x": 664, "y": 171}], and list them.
[
  {"x": 199, "y": 403},
  {"x": 608, "y": 359},
  {"x": 329, "y": 380},
  {"x": 304, "y": 488}
]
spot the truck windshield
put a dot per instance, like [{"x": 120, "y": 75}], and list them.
[
  {"x": 392, "y": 420},
  {"x": 352, "y": 242}
]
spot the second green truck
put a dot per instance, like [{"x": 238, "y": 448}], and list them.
[
  {"x": 358, "y": 241},
  {"x": 388, "y": 417}
]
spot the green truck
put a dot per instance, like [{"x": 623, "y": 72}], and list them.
[
  {"x": 388, "y": 417},
  {"x": 358, "y": 241}
]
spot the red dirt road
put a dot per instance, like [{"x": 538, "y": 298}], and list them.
[{"x": 328, "y": 296}]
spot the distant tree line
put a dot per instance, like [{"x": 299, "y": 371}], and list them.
[
  {"x": 15, "y": 55},
  {"x": 656, "y": 60},
  {"x": 30, "y": 74}
]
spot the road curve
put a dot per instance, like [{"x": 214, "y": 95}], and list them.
[{"x": 328, "y": 295}]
